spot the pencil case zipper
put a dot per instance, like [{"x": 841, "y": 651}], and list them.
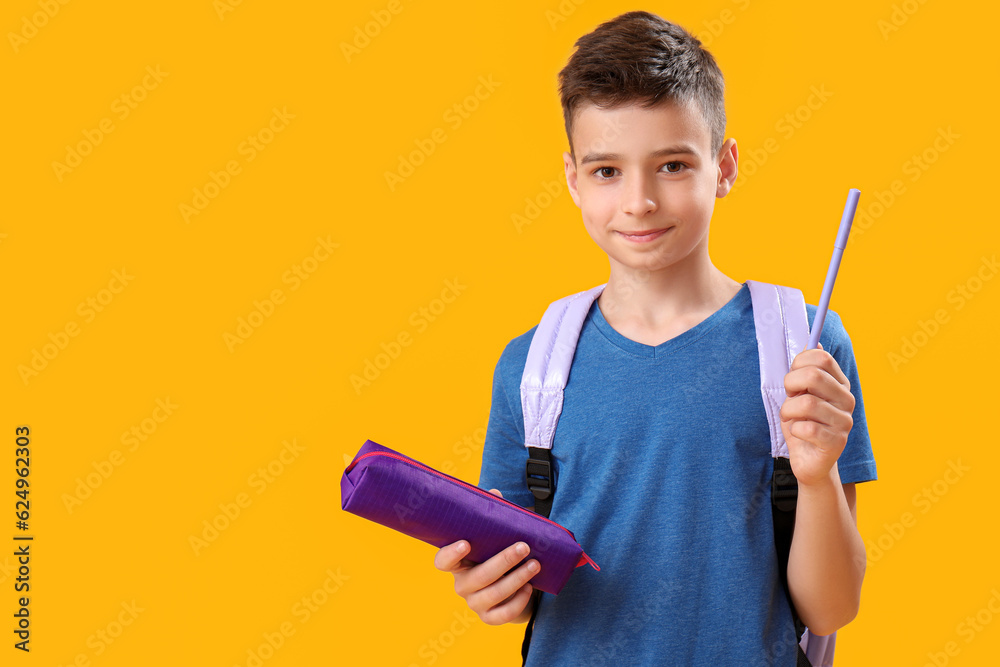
[{"x": 583, "y": 558}]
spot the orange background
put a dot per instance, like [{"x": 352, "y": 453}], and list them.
[{"x": 329, "y": 125}]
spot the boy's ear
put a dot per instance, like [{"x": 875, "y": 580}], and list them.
[
  {"x": 570, "y": 165},
  {"x": 727, "y": 167}
]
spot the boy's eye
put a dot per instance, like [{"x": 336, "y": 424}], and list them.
[
  {"x": 603, "y": 171},
  {"x": 673, "y": 171}
]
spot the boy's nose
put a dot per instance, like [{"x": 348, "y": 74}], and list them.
[{"x": 639, "y": 196}]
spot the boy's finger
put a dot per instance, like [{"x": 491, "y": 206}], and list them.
[
  {"x": 811, "y": 379},
  {"x": 449, "y": 557},
  {"x": 493, "y": 569},
  {"x": 499, "y": 592},
  {"x": 510, "y": 608},
  {"x": 807, "y": 408},
  {"x": 821, "y": 358},
  {"x": 821, "y": 412},
  {"x": 819, "y": 383}
]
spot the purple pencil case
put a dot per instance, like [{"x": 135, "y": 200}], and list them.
[{"x": 399, "y": 492}]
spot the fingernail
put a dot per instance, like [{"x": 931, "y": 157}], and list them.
[
  {"x": 462, "y": 546},
  {"x": 522, "y": 548},
  {"x": 533, "y": 566}
]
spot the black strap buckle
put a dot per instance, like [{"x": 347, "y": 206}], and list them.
[
  {"x": 784, "y": 486},
  {"x": 538, "y": 472}
]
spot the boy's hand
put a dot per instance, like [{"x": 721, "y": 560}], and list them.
[
  {"x": 496, "y": 598},
  {"x": 816, "y": 416}
]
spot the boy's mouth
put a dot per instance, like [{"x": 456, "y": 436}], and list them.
[{"x": 645, "y": 236}]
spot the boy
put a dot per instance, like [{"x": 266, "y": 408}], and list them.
[{"x": 662, "y": 453}]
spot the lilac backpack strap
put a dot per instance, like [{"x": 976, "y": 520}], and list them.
[
  {"x": 780, "y": 318},
  {"x": 546, "y": 369},
  {"x": 779, "y": 314}
]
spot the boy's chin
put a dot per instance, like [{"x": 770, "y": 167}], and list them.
[{"x": 644, "y": 266}]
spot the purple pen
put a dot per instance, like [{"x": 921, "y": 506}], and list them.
[{"x": 831, "y": 273}]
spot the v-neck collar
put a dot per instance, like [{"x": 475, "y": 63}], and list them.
[{"x": 727, "y": 313}]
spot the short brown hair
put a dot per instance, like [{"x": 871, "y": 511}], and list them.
[{"x": 640, "y": 57}]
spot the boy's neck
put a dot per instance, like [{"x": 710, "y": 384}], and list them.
[{"x": 658, "y": 305}]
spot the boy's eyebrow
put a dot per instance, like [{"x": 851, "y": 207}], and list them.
[{"x": 669, "y": 150}]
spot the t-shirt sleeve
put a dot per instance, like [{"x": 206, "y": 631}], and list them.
[
  {"x": 856, "y": 462},
  {"x": 504, "y": 453}
]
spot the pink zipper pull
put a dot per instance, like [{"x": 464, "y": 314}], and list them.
[{"x": 585, "y": 560}]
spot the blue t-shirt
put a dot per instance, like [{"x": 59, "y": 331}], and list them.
[{"x": 663, "y": 464}]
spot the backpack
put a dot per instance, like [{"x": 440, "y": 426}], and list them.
[{"x": 782, "y": 330}]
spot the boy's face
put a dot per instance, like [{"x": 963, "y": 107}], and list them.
[{"x": 648, "y": 170}]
